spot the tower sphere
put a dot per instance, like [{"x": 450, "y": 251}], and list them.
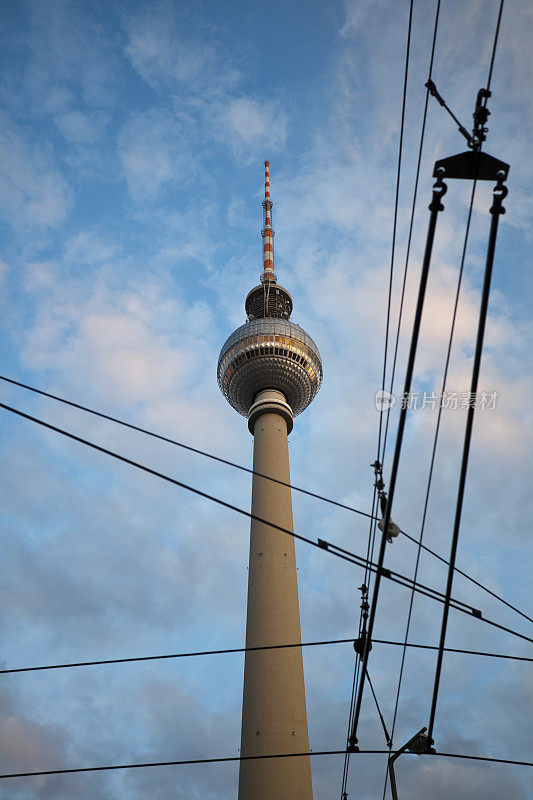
[{"x": 269, "y": 353}]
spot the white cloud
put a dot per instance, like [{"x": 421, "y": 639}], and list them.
[
  {"x": 82, "y": 128},
  {"x": 4, "y": 270},
  {"x": 32, "y": 190},
  {"x": 155, "y": 151},
  {"x": 87, "y": 247},
  {"x": 167, "y": 60},
  {"x": 252, "y": 125}
]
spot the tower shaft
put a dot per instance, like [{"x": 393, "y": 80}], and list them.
[{"x": 274, "y": 718}]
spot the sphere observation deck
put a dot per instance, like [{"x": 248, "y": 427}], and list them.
[{"x": 269, "y": 353}]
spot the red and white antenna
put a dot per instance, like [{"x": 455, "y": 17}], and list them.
[{"x": 268, "y": 276}]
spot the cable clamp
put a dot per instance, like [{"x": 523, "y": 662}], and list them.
[
  {"x": 439, "y": 190},
  {"x": 324, "y": 545},
  {"x": 352, "y": 745},
  {"x": 500, "y": 192},
  {"x": 480, "y": 115},
  {"x": 360, "y": 644}
]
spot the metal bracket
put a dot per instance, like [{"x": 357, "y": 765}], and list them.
[
  {"x": 419, "y": 744},
  {"x": 472, "y": 165}
]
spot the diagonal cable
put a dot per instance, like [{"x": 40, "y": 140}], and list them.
[{"x": 266, "y": 477}]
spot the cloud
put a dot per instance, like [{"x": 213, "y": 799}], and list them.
[
  {"x": 167, "y": 60},
  {"x": 88, "y": 248},
  {"x": 82, "y": 128},
  {"x": 156, "y": 152},
  {"x": 4, "y": 271},
  {"x": 252, "y": 125},
  {"x": 33, "y": 192},
  {"x": 68, "y": 75}
]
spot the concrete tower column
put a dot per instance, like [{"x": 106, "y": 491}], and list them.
[{"x": 274, "y": 718}]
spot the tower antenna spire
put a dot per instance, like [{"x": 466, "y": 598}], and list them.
[{"x": 268, "y": 275}]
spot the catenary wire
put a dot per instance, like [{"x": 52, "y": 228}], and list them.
[
  {"x": 494, "y": 45},
  {"x": 229, "y": 759},
  {"x": 468, "y": 577},
  {"x": 331, "y": 548},
  {"x": 192, "y": 654},
  {"x": 395, "y": 213},
  {"x": 251, "y": 471},
  {"x": 355, "y": 703},
  {"x": 411, "y": 225},
  {"x": 453, "y": 650},
  {"x": 231, "y": 650},
  {"x": 184, "y": 446},
  {"x": 321, "y": 544}
]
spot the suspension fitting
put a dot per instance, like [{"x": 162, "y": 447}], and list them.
[
  {"x": 500, "y": 192},
  {"x": 439, "y": 190}
]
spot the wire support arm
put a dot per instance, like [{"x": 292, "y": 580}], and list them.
[
  {"x": 439, "y": 190},
  {"x": 432, "y": 89},
  {"x": 497, "y": 209}
]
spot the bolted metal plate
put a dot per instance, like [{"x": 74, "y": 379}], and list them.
[{"x": 472, "y": 165}]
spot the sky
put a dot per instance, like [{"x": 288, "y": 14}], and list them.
[{"x": 133, "y": 137}]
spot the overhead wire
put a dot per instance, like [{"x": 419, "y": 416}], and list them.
[
  {"x": 373, "y": 522},
  {"x": 469, "y": 577},
  {"x": 331, "y": 548},
  {"x": 411, "y": 226},
  {"x": 495, "y": 45},
  {"x": 229, "y": 759},
  {"x": 395, "y": 212},
  {"x": 231, "y": 650},
  {"x": 192, "y": 654},
  {"x": 182, "y": 445},
  {"x": 196, "y": 450},
  {"x": 437, "y": 428},
  {"x": 321, "y": 544}
]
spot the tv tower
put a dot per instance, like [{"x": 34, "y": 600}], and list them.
[{"x": 269, "y": 370}]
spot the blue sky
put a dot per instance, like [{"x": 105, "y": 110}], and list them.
[{"x": 133, "y": 137}]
